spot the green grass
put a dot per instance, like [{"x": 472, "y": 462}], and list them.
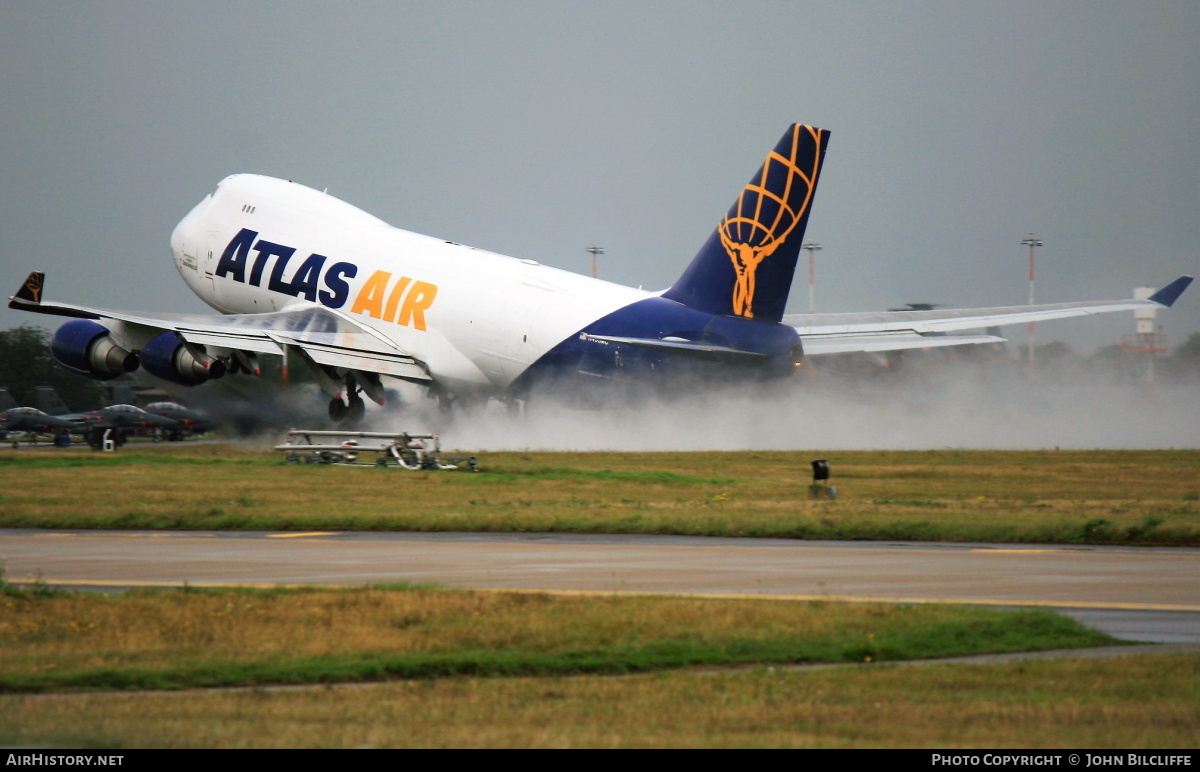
[
  {"x": 202, "y": 638},
  {"x": 1138, "y": 702},
  {"x": 439, "y": 643},
  {"x": 1071, "y": 497}
]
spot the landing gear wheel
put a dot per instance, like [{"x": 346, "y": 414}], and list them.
[
  {"x": 356, "y": 410},
  {"x": 337, "y": 410}
]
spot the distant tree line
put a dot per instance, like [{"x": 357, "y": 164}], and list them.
[
  {"x": 1185, "y": 360},
  {"x": 26, "y": 363},
  {"x": 1114, "y": 363}
]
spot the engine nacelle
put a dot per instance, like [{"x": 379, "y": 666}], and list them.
[
  {"x": 166, "y": 357},
  {"x": 85, "y": 347}
]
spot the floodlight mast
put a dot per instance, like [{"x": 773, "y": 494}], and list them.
[
  {"x": 811, "y": 246},
  {"x": 595, "y": 251},
  {"x": 1032, "y": 242}
]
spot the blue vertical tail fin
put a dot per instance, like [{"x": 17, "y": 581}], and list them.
[{"x": 746, "y": 266}]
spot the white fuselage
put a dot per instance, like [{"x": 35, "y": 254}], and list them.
[{"x": 476, "y": 319}]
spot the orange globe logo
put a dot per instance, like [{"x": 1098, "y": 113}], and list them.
[{"x": 766, "y": 212}]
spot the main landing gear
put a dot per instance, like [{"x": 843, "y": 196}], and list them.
[{"x": 351, "y": 410}]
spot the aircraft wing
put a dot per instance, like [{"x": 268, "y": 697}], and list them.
[
  {"x": 893, "y": 330},
  {"x": 326, "y": 336}
]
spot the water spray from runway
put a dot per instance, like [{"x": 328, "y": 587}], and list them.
[{"x": 958, "y": 406}]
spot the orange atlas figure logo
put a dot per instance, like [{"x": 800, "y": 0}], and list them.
[
  {"x": 34, "y": 286},
  {"x": 766, "y": 212}
]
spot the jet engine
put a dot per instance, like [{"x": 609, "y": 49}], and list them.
[
  {"x": 167, "y": 357},
  {"x": 85, "y": 347}
]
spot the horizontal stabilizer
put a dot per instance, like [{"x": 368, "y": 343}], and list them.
[{"x": 705, "y": 350}]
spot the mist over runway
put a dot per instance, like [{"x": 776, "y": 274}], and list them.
[{"x": 959, "y": 407}]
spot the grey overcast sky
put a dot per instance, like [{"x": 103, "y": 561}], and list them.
[{"x": 535, "y": 129}]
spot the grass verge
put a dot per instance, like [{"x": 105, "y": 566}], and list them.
[
  {"x": 191, "y": 638},
  {"x": 1093, "y": 497},
  {"x": 1131, "y": 703}
]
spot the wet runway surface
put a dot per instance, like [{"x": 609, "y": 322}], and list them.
[{"x": 1135, "y": 593}]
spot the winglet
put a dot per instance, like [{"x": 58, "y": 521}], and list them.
[
  {"x": 30, "y": 292},
  {"x": 1170, "y": 293}
]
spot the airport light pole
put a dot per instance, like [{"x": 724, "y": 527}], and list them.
[
  {"x": 595, "y": 250},
  {"x": 811, "y": 246},
  {"x": 1033, "y": 243}
]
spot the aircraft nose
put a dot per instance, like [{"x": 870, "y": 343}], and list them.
[
  {"x": 184, "y": 239},
  {"x": 179, "y": 238}
]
